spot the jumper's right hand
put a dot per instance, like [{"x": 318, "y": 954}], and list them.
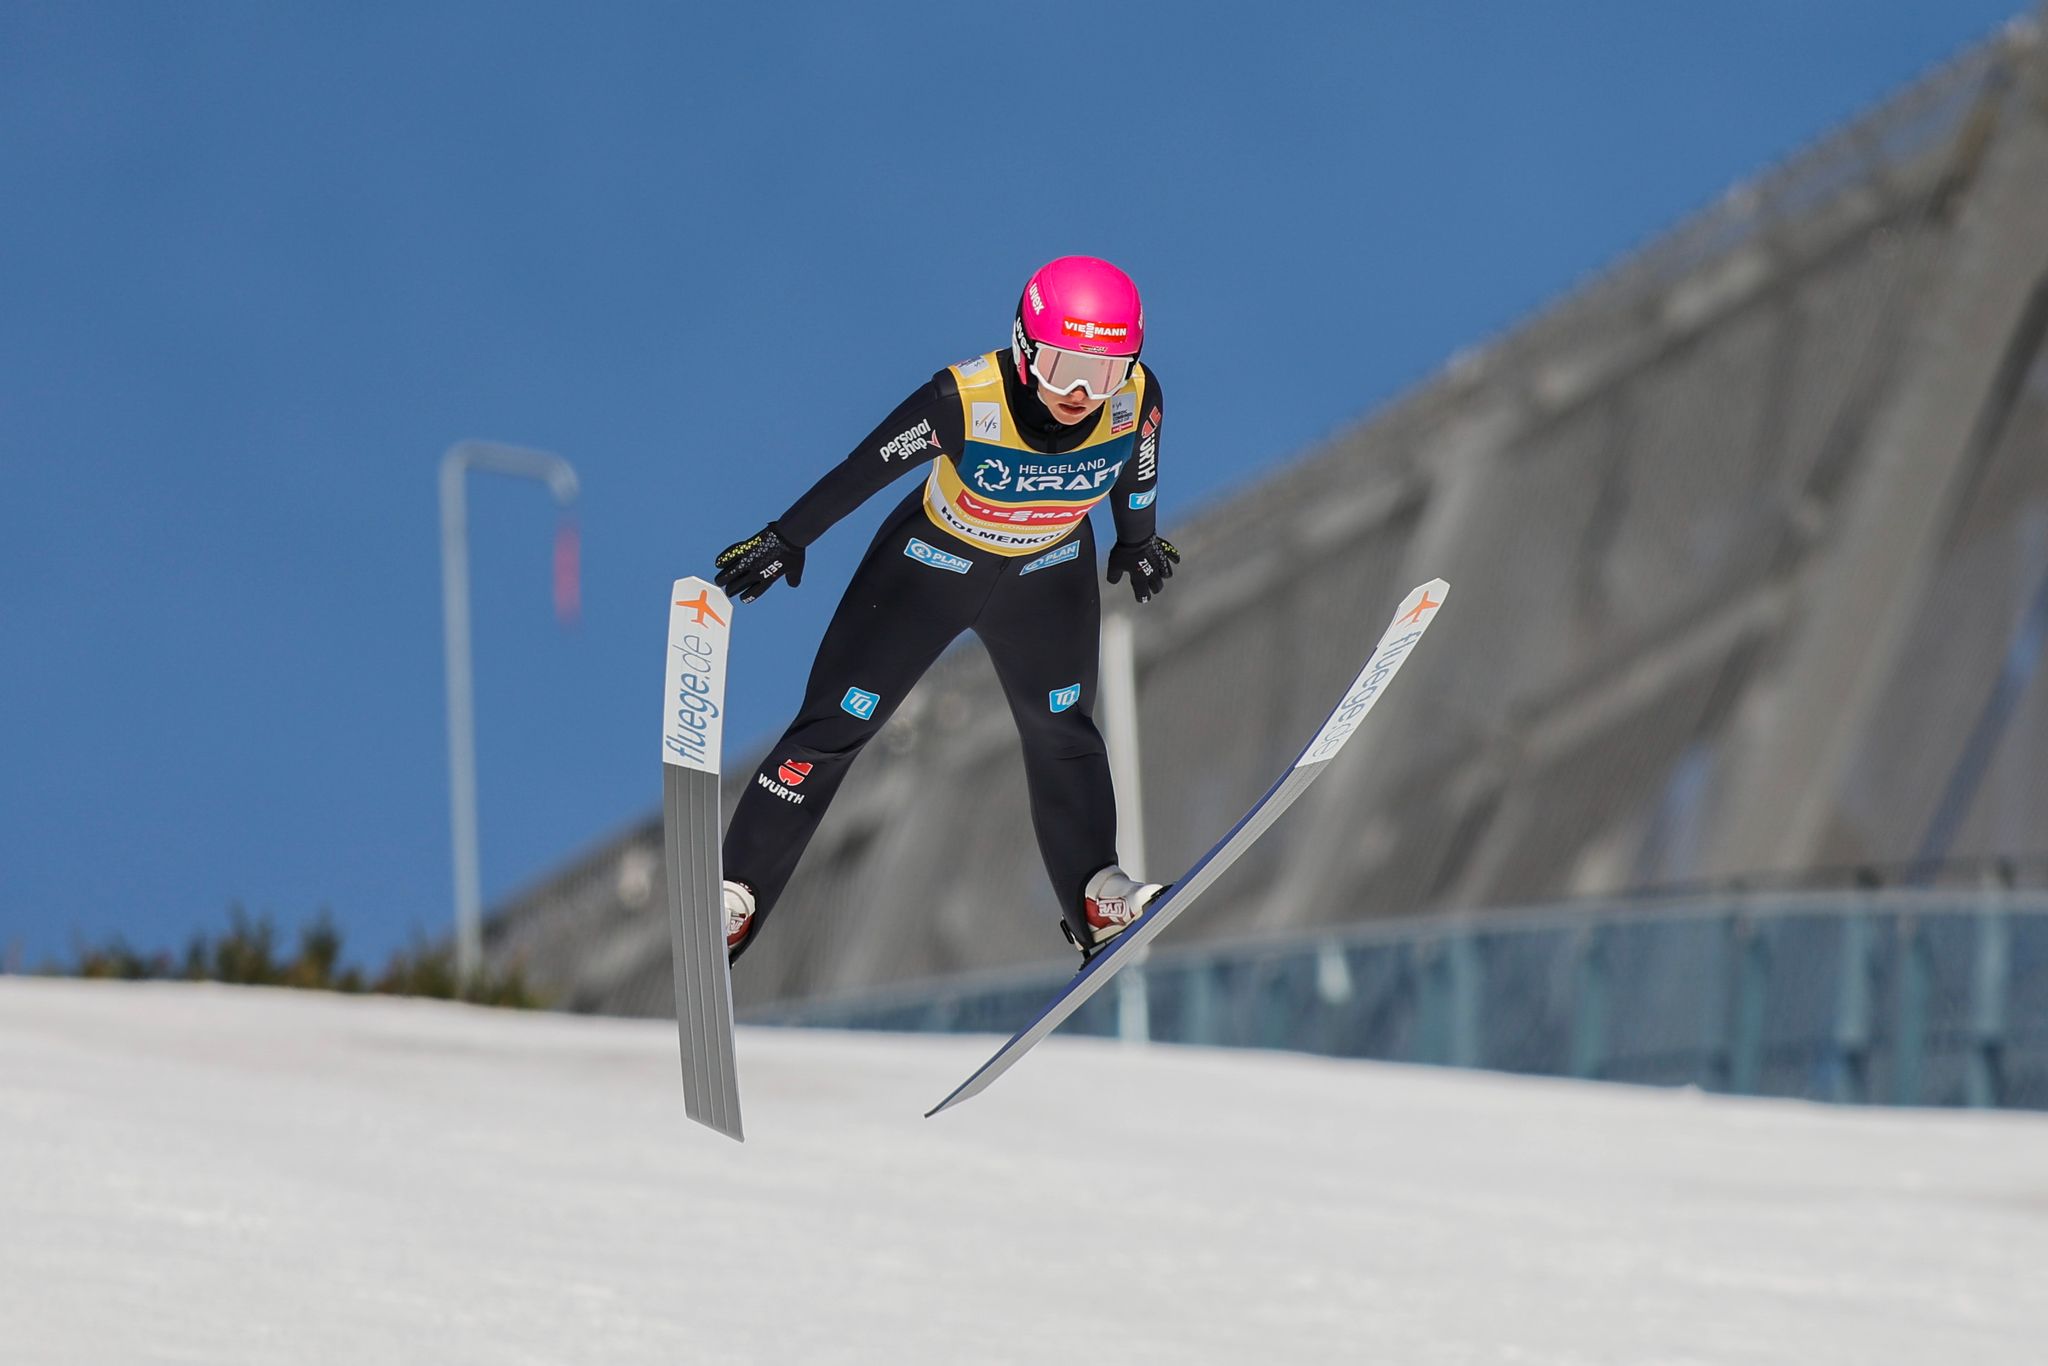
[{"x": 747, "y": 568}]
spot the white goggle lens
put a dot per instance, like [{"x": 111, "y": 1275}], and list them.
[{"x": 1062, "y": 372}]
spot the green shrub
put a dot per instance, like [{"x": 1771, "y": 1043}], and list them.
[{"x": 247, "y": 954}]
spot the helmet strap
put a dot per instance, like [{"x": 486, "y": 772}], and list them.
[{"x": 1025, "y": 351}]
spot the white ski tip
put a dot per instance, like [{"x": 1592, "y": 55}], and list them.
[
  {"x": 693, "y": 707},
  {"x": 1427, "y": 598},
  {"x": 1416, "y": 612}
]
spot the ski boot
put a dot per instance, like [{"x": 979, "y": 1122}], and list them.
[
  {"x": 1110, "y": 903},
  {"x": 739, "y": 915}
]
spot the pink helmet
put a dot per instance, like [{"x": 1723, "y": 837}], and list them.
[{"x": 1077, "y": 304}]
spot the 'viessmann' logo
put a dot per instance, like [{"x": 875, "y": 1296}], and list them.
[
  {"x": 1081, "y": 327},
  {"x": 1027, "y": 515},
  {"x": 1005, "y": 540}
]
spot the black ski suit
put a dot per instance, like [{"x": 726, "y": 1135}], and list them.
[{"x": 996, "y": 541}]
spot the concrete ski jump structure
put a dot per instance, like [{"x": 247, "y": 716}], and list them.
[
  {"x": 227, "y": 1175},
  {"x": 1745, "y": 531}
]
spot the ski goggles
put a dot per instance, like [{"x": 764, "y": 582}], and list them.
[{"x": 1062, "y": 372}]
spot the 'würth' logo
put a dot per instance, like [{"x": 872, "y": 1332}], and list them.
[{"x": 793, "y": 773}]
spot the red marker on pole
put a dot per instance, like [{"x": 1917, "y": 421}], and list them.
[{"x": 568, "y": 574}]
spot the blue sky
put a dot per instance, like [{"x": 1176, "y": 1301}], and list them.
[{"x": 262, "y": 263}]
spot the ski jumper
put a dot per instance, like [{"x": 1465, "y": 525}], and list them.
[{"x": 996, "y": 541}]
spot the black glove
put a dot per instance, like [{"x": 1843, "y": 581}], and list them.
[
  {"x": 747, "y": 568},
  {"x": 1149, "y": 562}
]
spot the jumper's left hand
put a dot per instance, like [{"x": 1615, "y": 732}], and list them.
[{"x": 1149, "y": 562}]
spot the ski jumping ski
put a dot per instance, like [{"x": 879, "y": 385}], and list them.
[
  {"x": 1418, "y": 609},
  {"x": 692, "y": 728}
]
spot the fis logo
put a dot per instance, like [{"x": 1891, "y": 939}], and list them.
[
  {"x": 860, "y": 702},
  {"x": 1069, "y": 551},
  {"x": 1081, "y": 327},
  {"x": 936, "y": 558},
  {"x": 988, "y": 422},
  {"x": 913, "y": 442},
  {"x": 1143, "y": 500},
  {"x": 1062, "y": 699}
]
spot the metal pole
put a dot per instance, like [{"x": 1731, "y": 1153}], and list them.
[
  {"x": 1990, "y": 983},
  {"x": 1854, "y": 1006},
  {"x": 1746, "y": 1024},
  {"x": 1589, "y": 1006},
  {"x": 560, "y": 477},
  {"x": 1916, "y": 972},
  {"x": 1432, "y": 1000},
  {"x": 1120, "y": 734},
  {"x": 1465, "y": 968}
]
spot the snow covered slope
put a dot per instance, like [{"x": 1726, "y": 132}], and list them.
[{"x": 222, "y": 1175}]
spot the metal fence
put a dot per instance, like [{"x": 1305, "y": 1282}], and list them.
[{"x": 1929, "y": 998}]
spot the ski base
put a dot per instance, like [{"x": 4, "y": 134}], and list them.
[{"x": 692, "y": 731}]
